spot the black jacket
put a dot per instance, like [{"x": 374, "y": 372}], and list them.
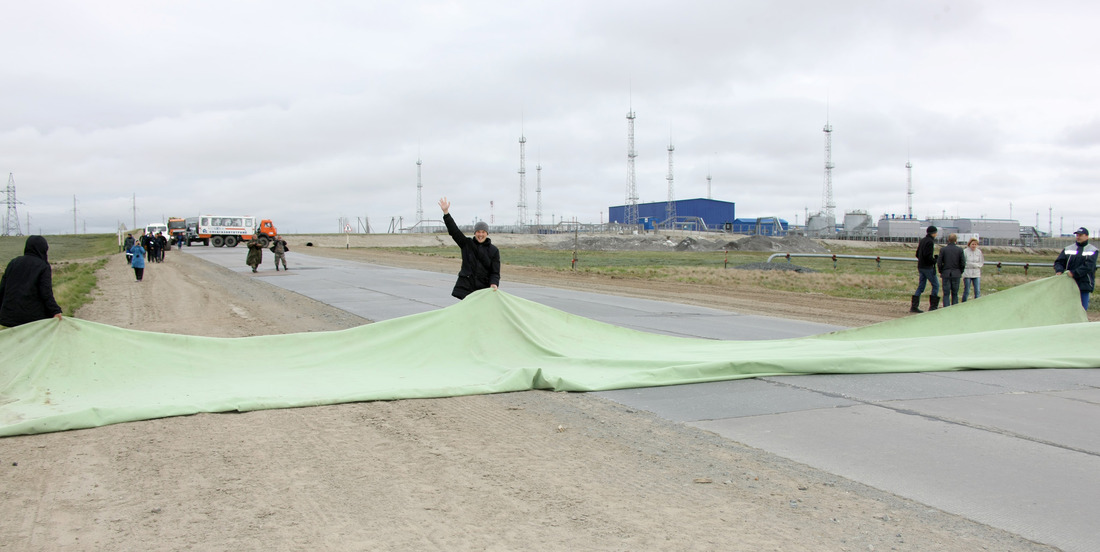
[
  {"x": 480, "y": 262},
  {"x": 26, "y": 289},
  {"x": 951, "y": 261},
  {"x": 926, "y": 252},
  {"x": 1079, "y": 260}
]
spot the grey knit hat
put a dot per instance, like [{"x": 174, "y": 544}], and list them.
[{"x": 481, "y": 226}]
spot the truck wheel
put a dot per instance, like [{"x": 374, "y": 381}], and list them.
[
  {"x": 263, "y": 241},
  {"x": 217, "y": 241},
  {"x": 231, "y": 241}
]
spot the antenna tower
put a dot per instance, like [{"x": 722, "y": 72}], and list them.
[
  {"x": 11, "y": 219},
  {"x": 827, "y": 205},
  {"x": 522, "y": 181},
  {"x": 909, "y": 194},
  {"x": 631, "y": 186},
  {"x": 538, "y": 195},
  {"x": 419, "y": 194},
  {"x": 670, "y": 208}
]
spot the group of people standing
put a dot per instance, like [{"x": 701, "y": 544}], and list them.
[{"x": 955, "y": 263}]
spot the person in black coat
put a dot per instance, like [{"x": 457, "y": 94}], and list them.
[
  {"x": 926, "y": 268},
  {"x": 26, "y": 289},
  {"x": 480, "y": 258},
  {"x": 951, "y": 264}
]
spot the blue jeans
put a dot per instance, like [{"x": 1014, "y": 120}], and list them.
[
  {"x": 928, "y": 275},
  {"x": 1085, "y": 299},
  {"x": 977, "y": 287}
]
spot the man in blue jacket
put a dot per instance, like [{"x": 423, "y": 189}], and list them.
[
  {"x": 26, "y": 289},
  {"x": 1079, "y": 262},
  {"x": 480, "y": 258},
  {"x": 926, "y": 267}
]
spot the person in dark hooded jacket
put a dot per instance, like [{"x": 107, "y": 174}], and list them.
[
  {"x": 26, "y": 289},
  {"x": 480, "y": 258}
]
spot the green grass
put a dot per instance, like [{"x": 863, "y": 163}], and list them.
[
  {"x": 848, "y": 278},
  {"x": 74, "y": 260}
]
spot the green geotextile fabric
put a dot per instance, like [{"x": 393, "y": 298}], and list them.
[{"x": 76, "y": 374}]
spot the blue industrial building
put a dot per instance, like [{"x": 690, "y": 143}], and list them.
[{"x": 714, "y": 214}]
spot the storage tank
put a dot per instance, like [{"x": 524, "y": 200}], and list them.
[
  {"x": 857, "y": 223},
  {"x": 820, "y": 225}
]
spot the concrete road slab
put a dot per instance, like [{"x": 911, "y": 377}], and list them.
[
  {"x": 884, "y": 387},
  {"x": 723, "y": 399},
  {"x": 1056, "y": 421},
  {"x": 359, "y": 288},
  {"x": 1048, "y": 494}
]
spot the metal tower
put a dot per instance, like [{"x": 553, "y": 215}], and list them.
[
  {"x": 538, "y": 195},
  {"x": 708, "y": 184},
  {"x": 522, "y": 181},
  {"x": 419, "y": 195},
  {"x": 827, "y": 206},
  {"x": 11, "y": 219},
  {"x": 670, "y": 207},
  {"x": 631, "y": 186},
  {"x": 909, "y": 194}
]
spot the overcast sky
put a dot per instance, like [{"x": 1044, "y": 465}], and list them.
[{"x": 305, "y": 112}]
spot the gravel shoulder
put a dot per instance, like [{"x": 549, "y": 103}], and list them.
[{"x": 532, "y": 470}]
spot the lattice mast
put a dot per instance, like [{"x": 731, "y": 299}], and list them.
[
  {"x": 670, "y": 207},
  {"x": 828, "y": 208},
  {"x": 631, "y": 185},
  {"x": 522, "y": 204},
  {"x": 11, "y": 218},
  {"x": 419, "y": 193},
  {"x": 909, "y": 188},
  {"x": 538, "y": 195}
]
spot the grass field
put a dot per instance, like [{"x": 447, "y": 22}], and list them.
[{"x": 862, "y": 279}]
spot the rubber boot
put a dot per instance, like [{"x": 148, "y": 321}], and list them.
[
  {"x": 934, "y": 302},
  {"x": 915, "y": 307}
]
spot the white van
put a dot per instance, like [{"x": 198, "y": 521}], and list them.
[{"x": 152, "y": 229}]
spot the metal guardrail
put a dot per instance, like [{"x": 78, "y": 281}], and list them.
[{"x": 879, "y": 259}]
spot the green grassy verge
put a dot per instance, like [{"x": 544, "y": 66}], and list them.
[
  {"x": 848, "y": 278},
  {"x": 74, "y": 259}
]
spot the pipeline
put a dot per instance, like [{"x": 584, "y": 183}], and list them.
[{"x": 878, "y": 259}]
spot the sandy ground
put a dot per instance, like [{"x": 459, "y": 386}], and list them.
[{"x": 520, "y": 471}]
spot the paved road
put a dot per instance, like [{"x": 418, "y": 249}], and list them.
[{"x": 1014, "y": 449}]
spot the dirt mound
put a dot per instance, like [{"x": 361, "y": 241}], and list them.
[
  {"x": 773, "y": 266},
  {"x": 787, "y": 244}
]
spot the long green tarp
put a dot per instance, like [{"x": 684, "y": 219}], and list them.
[{"x": 73, "y": 374}]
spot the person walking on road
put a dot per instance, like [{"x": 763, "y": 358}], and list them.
[
  {"x": 255, "y": 253},
  {"x": 126, "y": 245},
  {"x": 1078, "y": 261},
  {"x": 137, "y": 261},
  {"x": 480, "y": 258},
  {"x": 926, "y": 268},
  {"x": 972, "y": 275},
  {"x": 951, "y": 264},
  {"x": 26, "y": 288},
  {"x": 279, "y": 248}
]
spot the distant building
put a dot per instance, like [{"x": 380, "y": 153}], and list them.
[
  {"x": 691, "y": 214},
  {"x": 761, "y": 226}
]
